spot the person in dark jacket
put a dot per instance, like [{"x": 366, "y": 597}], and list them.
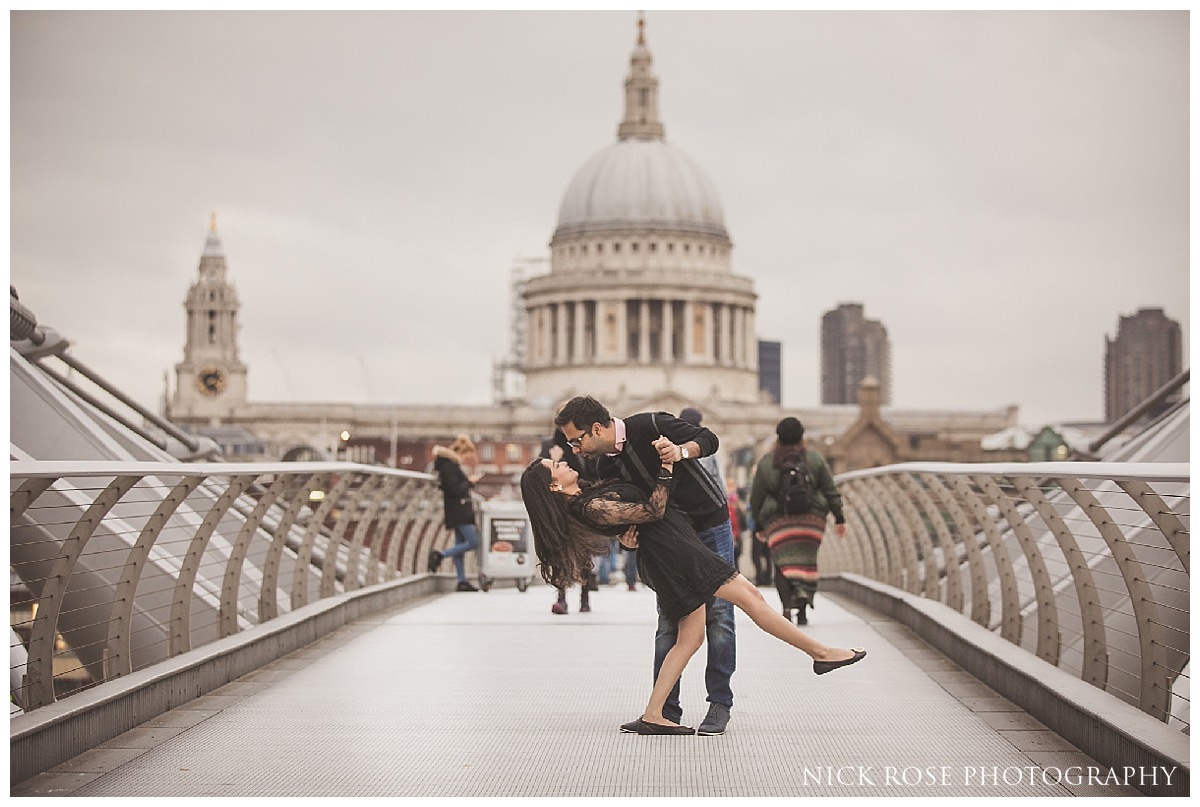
[
  {"x": 795, "y": 539},
  {"x": 448, "y": 464},
  {"x": 624, "y": 449}
]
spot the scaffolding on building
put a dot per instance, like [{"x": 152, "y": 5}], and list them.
[{"x": 508, "y": 373}]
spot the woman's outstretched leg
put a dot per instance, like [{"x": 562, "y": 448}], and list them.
[
  {"x": 688, "y": 639},
  {"x": 745, "y": 596}
]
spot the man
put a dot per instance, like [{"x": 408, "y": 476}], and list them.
[
  {"x": 624, "y": 448},
  {"x": 710, "y": 462}
]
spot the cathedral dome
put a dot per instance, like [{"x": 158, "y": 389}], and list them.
[
  {"x": 642, "y": 184},
  {"x": 640, "y": 300}
]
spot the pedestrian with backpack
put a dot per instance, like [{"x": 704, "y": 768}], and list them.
[{"x": 791, "y": 498}]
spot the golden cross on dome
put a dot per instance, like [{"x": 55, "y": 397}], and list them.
[
  {"x": 641, "y": 28},
  {"x": 212, "y": 222}
]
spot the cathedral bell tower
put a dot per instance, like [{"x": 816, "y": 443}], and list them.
[{"x": 210, "y": 382}]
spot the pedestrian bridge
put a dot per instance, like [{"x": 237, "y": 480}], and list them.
[
  {"x": 208, "y": 628},
  {"x": 492, "y": 695},
  {"x": 216, "y": 629}
]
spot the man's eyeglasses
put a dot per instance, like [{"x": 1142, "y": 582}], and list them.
[{"x": 577, "y": 442}]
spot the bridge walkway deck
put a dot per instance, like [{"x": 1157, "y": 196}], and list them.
[{"x": 489, "y": 694}]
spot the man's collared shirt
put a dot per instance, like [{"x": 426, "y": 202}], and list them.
[{"x": 618, "y": 437}]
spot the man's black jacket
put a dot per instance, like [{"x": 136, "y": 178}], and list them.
[{"x": 696, "y": 493}]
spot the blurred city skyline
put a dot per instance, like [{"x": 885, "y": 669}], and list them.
[{"x": 996, "y": 188}]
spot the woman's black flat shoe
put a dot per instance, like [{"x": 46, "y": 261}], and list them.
[
  {"x": 640, "y": 726},
  {"x": 822, "y": 667}
]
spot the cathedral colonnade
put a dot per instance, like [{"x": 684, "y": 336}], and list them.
[{"x": 641, "y": 330}]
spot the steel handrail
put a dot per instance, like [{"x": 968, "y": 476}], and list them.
[
  {"x": 127, "y": 564},
  {"x": 1085, "y": 564}
]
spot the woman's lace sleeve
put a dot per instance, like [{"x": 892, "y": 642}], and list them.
[{"x": 610, "y": 511}]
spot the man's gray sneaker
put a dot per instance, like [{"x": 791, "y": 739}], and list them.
[{"x": 715, "y": 721}]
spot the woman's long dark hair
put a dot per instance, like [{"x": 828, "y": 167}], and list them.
[{"x": 564, "y": 545}]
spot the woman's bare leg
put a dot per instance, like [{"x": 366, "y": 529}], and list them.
[
  {"x": 745, "y": 596},
  {"x": 688, "y": 639}
]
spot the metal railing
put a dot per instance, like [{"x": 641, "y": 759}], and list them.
[
  {"x": 116, "y": 566},
  {"x": 1085, "y": 564}
]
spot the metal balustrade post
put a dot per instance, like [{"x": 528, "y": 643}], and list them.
[
  {"x": 859, "y": 532},
  {"x": 900, "y": 543},
  {"x": 1010, "y": 601},
  {"x": 852, "y": 546},
  {"x": 899, "y": 536},
  {"x": 304, "y": 555},
  {"x": 40, "y": 662},
  {"x": 384, "y": 486},
  {"x": 431, "y": 532},
  {"x": 931, "y": 579},
  {"x": 881, "y": 565},
  {"x": 1167, "y": 522},
  {"x": 981, "y": 605},
  {"x": 118, "y": 656},
  {"x": 385, "y": 532},
  {"x": 180, "y": 634},
  {"x": 1048, "y": 638},
  {"x": 405, "y": 525},
  {"x": 412, "y": 518},
  {"x": 231, "y": 585},
  {"x": 895, "y": 536},
  {"x": 268, "y": 595},
  {"x": 1155, "y": 695},
  {"x": 349, "y": 513},
  {"x": 25, "y": 495},
  {"x": 1095, "y": 646},
  {"x": 950, "y": 564}
]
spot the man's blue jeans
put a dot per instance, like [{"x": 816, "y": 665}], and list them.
[
  {"x": 719, "y": 632},
  {"x": 466, "y": 538}
]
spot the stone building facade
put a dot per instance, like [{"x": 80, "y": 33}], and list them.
[{"x": 640, "y": 309}]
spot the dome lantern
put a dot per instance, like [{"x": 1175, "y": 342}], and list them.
[{"x": 641, "y": 95}]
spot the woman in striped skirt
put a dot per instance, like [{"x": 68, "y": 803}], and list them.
[{"x": 794, "y": 539}]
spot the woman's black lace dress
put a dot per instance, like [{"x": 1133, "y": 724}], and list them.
[{"x": 672, "y": 561}]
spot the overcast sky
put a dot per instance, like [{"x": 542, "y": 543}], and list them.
[{"x": 996, "y": 188}]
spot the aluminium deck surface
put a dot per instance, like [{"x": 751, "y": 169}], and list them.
[{"x": 491, "y": 695}]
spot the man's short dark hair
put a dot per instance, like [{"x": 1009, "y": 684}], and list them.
[{"x": 581, "y": 412}]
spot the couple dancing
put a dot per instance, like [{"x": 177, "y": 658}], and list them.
[{"x": 572, "y": 520}]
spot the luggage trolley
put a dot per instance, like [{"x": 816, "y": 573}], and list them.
[{"x": 506, "y": 546}]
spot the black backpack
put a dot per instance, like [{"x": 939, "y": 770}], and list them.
[{"x": 795, "y": 486}]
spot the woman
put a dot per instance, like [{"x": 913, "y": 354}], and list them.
[
  {"x": 795, "y": 539},
  {"x": 571, "y": 524},
  {"x": 555, "y": 449},
  {"x": 458, "y": 510}
]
